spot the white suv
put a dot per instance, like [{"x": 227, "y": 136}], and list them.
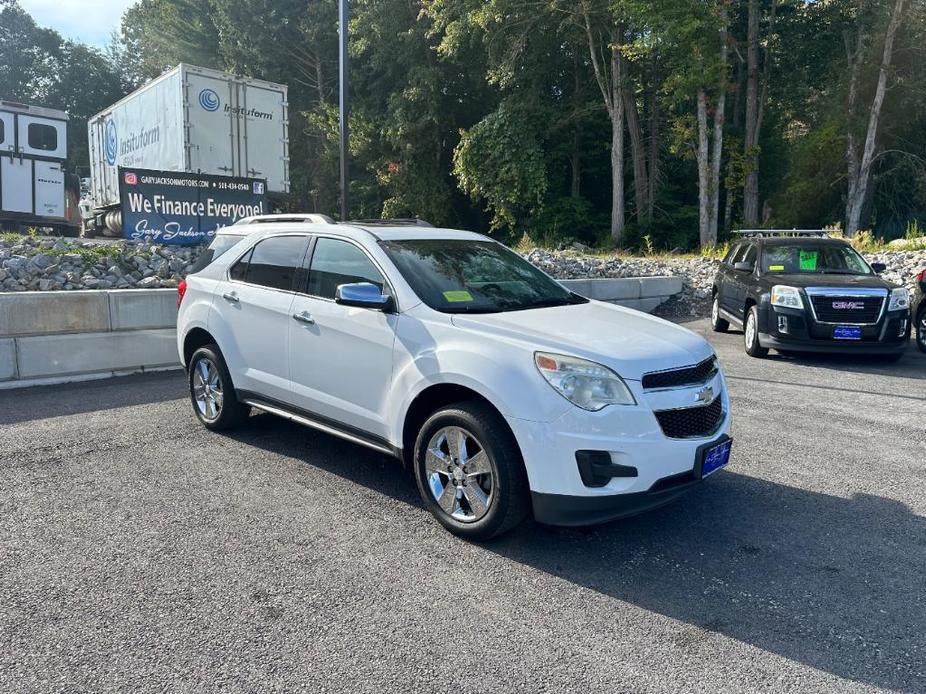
[{"x": 503, "y": 392}]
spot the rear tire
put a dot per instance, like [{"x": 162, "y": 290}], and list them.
[
  {"x": 212, "y": 393},
  {"x": 718, "y": 324},
  {"x": 751, "y": 334},
  {"x": 470, "y": 473}
]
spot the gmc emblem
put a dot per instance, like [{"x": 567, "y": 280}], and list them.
[{"x": 849, "y": 305}]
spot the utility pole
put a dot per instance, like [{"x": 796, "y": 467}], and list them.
[{"x": 342, "y": 101}]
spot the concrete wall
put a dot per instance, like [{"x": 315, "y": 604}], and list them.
[
  {"x": 641, "y": 293},
  {"x": 52, "y": 337}
]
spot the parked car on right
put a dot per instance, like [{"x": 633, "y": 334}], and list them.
[
  {"x": 919, "y": 310},
  {"x": 801, "y": 291}
]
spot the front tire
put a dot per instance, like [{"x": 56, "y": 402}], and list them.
[
  {"x": 215, "y": 402},
  {"x": 751, "y": 334},
  {"x": 921, "y": 330},
  {"x": 718, "y": 324},
  {"x": 470, "y": 473}
]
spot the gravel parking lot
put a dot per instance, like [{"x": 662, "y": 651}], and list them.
[{"x": 139, "y": 552}]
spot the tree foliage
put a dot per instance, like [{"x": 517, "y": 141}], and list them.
[{"x": 490, "y": 114}]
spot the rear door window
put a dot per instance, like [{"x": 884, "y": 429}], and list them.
[{"x": 276, "y": 261}]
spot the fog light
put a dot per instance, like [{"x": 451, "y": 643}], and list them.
[
  {"x": 903, "y": 328},
  {"x": 783, "y": 325}
]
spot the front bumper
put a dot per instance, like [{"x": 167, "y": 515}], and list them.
[
  {"x": 889, "y": 335},
  {"x": 663, "y": 468}
]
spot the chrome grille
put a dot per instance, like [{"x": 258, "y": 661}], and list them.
[{"x": 847, "y": 307}]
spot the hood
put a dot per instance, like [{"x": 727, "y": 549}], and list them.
[
  {"x": 630, "y": 342},
  {"x": 841, "y": 281}
]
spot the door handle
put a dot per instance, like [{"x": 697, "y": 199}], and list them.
[
  {"x": 231, "y": 297},
  {"x": 304, "y": 317}
]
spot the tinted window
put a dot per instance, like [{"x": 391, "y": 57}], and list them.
[
  {"x": 750, "y": 255},
  {"x": 731, "y": 254},
  {"x": 214, "y": 250},
  {"x": 468, "y": 276},
  {"x": 338, "y": 262},
  {"x": 43, "y": 137},
  {"x": 809, "y": 258},
  {"x": 275, "y": 261},
  {"x": 239, "y": 271},
  {"x": 2, "y": 132}
]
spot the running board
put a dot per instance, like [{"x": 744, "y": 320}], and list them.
[
  {"x": 730, "y": 318},
  {"x": 313, "y": 424}
]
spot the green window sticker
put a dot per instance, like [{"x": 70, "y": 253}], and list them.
[
  {"x": 458, "y": 296},
  {"x": 776, "y": 268},
  {"x": 809, "y": 260}
]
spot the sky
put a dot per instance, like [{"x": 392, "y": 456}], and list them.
[{"x": 90, "y": 21}]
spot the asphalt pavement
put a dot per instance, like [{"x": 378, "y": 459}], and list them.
[{"x": 141, "y": 553}]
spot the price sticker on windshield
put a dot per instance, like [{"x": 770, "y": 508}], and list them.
[
  {"x": 458, "y": 296},
  {"x": 809, "y": 260}
]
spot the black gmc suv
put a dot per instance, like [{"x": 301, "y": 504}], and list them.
[{"x": 805, "y": 292}]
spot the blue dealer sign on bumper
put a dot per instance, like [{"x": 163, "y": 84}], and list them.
[{"x": 184, "y": 208}]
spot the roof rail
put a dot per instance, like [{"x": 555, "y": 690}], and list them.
[
  {"x": 391, "y": 222},
  {"x": 782, "y": 233},
  {"x": 266, "y": 218}
]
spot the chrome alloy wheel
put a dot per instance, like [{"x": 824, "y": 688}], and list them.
[
  {"x": 750, "y": 332},
  {"x": 715, "y": 310},
  {"x": 921, "y": 330},
  {"x": 459, "y": 474},
  {"x": 207, "y": 389}
]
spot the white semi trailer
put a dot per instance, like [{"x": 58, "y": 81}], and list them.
[
  {"x": 190, "y": 119},
  {"x": 33, "y": 152}
]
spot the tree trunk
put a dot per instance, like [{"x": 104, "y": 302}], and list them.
[
  {"x": 655, "y": 143},
  {"x": 617, "y": 151},
  {"x": 751, "y": 143},
  {"x": 638, "y": 154},
  {"x": 610, "y": 82},
  {"x": 701, "y": 156},
  {"x": 858, "y": 188}
]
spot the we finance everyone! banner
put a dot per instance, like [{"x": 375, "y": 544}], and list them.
[{"x": 184, "y": 208}]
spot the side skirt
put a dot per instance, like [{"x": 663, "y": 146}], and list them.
[
  {"x": 319, "y": 423},
  {"x": 730, "y": 318}
]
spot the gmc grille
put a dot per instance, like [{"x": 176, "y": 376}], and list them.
[
  {"x": 687, "y": 376},
  {"x": 847, "y": 309},
  {"x": 691, "y": 422}
]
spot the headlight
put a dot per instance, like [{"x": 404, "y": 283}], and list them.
[
  {"x": 788, "y": 297},
  {"x": 900, "y": 300},
  {"x": 584, "y": 383}
]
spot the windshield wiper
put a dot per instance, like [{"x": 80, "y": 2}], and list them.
[
  {"x": 548, "y": 303},
  {"x": 838, "y": 272}
]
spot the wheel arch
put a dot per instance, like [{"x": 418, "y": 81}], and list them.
[
  {"x": 196, "y": 338},
  {"x": 431, "y": 399}
]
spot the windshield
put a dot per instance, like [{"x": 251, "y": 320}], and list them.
[
  {"x": 219, "y": 245},
  {"x": 465, "y": 276},
  {"x": 808, "y": 259}
]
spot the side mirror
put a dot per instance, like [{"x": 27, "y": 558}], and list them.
[
  {"x": 363, "y": 295},
  {"x": 743, "y": 267},
  {"x": 878, "y": 267}
]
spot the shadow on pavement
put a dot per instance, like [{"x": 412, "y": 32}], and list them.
[
  {"x": 833, "y": 583},
  {"x": 43, "y": 402}
]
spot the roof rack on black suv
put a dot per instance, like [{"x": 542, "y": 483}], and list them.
[
  {"x": 265, "y": 218},
  {"x": 391, "y": 222},
  {"x": 781, "y": 233}
]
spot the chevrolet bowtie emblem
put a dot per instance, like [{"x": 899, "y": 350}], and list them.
[{"x": 705, "y": 395}]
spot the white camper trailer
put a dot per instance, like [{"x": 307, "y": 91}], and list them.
[
  {"x": 192, "y": 120},
  {"x": 33, "y": 151}
]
